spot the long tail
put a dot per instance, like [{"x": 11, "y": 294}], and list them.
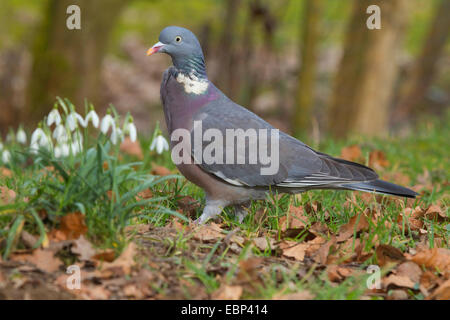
[{"x": 380, "y": 186}]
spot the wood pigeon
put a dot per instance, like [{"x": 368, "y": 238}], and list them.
[{"x": 191, "y": 102}]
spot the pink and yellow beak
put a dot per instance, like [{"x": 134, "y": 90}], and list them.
[{"x": 156, "y": 47}]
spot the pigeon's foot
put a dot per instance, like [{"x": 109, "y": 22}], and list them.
[
  {"x": 212, "y": 209},
  {"x": 241, "y": 211}
]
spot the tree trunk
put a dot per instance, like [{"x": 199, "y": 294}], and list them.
[
  {"x": 67, "y": 63},
  {"x": 228, "y": 70},
  {"x": 367, "y": 72},
  {"x": 305, "y": 89},
  {"x": 424, "y": 69}
]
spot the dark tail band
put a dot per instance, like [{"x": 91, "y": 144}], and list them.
[{"x": 380, "y": 186}]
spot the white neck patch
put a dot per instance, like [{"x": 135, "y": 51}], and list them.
[{"x": 192, "y": 84}]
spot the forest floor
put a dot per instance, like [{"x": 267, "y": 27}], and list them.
[{"x": 317, "y": 245}]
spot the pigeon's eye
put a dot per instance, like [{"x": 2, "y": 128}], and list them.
[{"x": 178, "y": 39}]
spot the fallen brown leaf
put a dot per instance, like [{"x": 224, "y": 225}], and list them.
[
  {"x": 41, "y": 258},
  {"x": 398, "y": 281},
  {"x": 226, "y": 292},
  {"x": 295, "y": 219},
  {"x": 377, "y": 159},
  {"x": 160, "y": 170},
  {"x": 356, "y": 224},
  {"x": 338, "y": 273},
  {"x": 132, "y": 148},
  {"x": 352, "y": 153},
  {"x": 436, "y": 258},
  {"x": 208, "y": 232},
  {"x": 123, "y": 264},
  {"x": 387, "y": 254},
  {"x": 292, "y": 249},
  {"x": 83, "y": 248},
  {"x": 73, "y": 225},
  {"x": 441, "y": 293},
  {"x": 263, "y": 243}
]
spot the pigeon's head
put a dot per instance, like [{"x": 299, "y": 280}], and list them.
[{"x": 182, "y": 45}]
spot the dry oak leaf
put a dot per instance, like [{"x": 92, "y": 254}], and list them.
[
  {"x": 295, "y": 219},
  {"x": 132, "y": 148},
  {"x": 387, "y": 254},
  {"x": 356, "y": 224},
  {"x": 105, "y": 255},
  {"x": 337, "y": 273},
  {"x": 435, "y": 212},
  {"x": 436, "y": 258},
  {"x": 41, "y": 258},
  {"x": 160, "y": 170},
  {"x": 263, "y": 243},
  {"x": 292, "y": 249},
  {"x": 377, "y": 159},
  {"x": 83, "y": 248},
  {"x": 124, "y": 262},
  {"x": 411, "y": 270},
  {"x": 209, "y": 232},
  {"x": 226, "y": 292},
  {"x": 73, "y": 225},
  {"x": 398, "y": 281},
  {"x": 352, "y": 153},
  {"x": 441, "y": 293},
  {"x": 7, "y": 196}
]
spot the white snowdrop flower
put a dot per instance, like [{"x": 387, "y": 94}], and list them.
[
  {"x": 77, "y": 143},
  {"x": 92, "y": 116},
  {"x": 116, "y": 135},
  {"x": 60, "y": 133},
  {"x": 107, "y": 121},
  {"x": 130, "y": 129},
  {"x": 61, "y": 150},
  {"x": 75, "y": 147},
  {"x": 6, "y": 156},
  {"x": 37, "y": 135},
  {"x": 53, "y": 117},
  {"x": 160, "y": 144},
  {"x": 73, "y": 119},
  {"x": 57, "y": 152},
  {"x": 34, "y": 148},
  {"x": 21, "y": 136}
]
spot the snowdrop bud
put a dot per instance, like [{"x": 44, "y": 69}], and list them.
[
  {"x": 160, "y": 144},
  {"x": 92, "y": 116},
  {"x": 53, "y": 117},
  {"x": 6, "y": 156},
  {"x": 107, "y": 122},
  {"x": 21, "y": 136}
]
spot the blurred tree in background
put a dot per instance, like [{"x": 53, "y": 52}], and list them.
[
  {"x": 67, "y": 63},
  {"x": 305, "y": 66}
]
